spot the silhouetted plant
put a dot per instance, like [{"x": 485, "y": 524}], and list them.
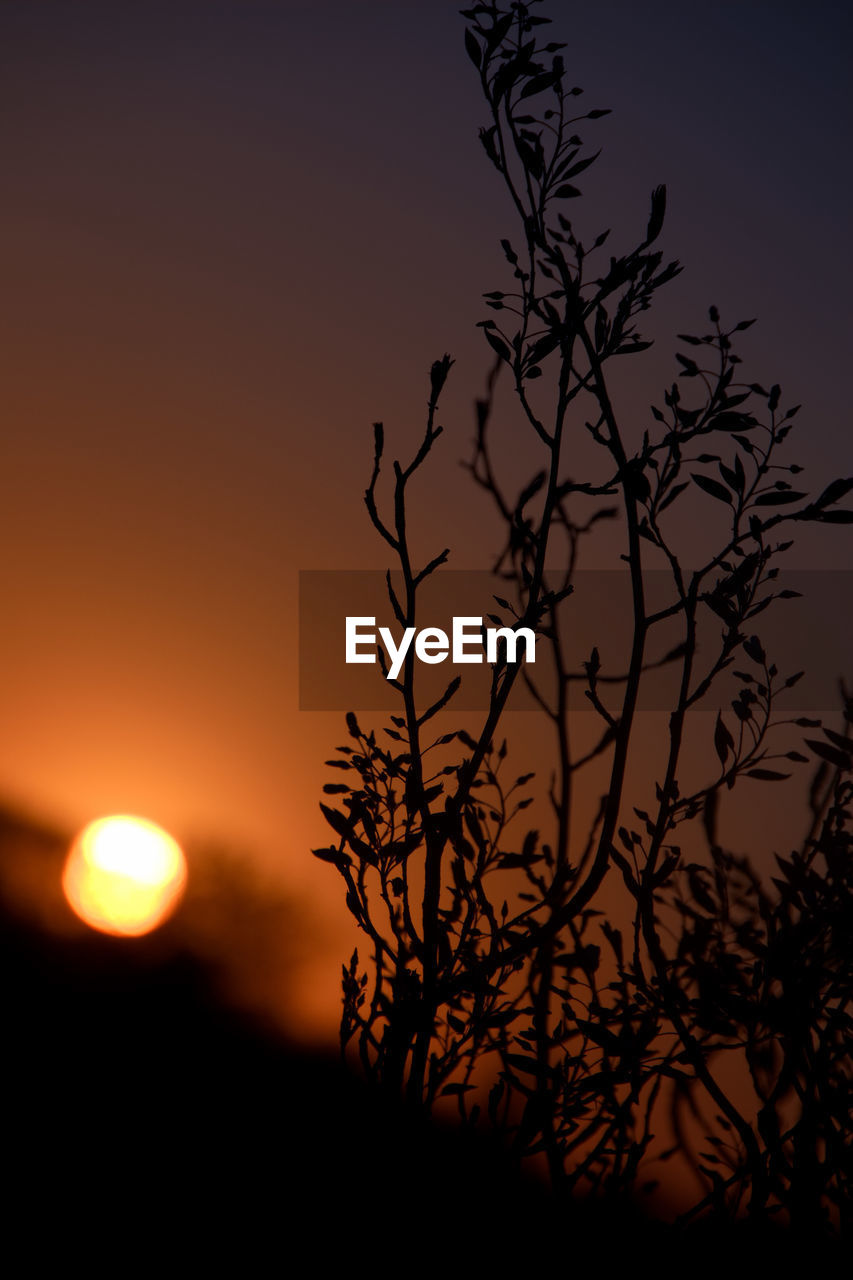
[
  {"x": 767, "y": 974},
  {"x": 588, "y": 1034}
]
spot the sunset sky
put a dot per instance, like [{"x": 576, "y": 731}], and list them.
[{"x": 232, "y": 235}]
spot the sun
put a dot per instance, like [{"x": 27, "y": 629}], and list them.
[{"x": 124, "y": 875}]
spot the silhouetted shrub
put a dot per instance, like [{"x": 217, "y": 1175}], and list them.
[{"x": 487, "y": 956}]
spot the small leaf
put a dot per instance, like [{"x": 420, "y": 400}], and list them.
[
  {"x": 335, "y": 856},
  {"x": 352, "y": 725},
  {"x": 656, "y": 216},
  {"x": 723, "y": 740},
  {"x": 841, "y": 759},
  {"x": 834, "y": 492},
  {"x": 522, "y": 1063},
  {"x": 498, "y": 345},
  {"x": 538, "y": 84},
  {"x": 672, "y": 495},
  {"x": 836, "y": 517},
  {"x": 844, "y": 743},
  {"x": 713, "y": 487},
  {"x": 778, "y": 498},
  {"x": 337, "y": 821},
  {"x": 580, "y": 166}
]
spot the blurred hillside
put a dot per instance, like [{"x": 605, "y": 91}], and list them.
[{"x": 255, "y": 943}]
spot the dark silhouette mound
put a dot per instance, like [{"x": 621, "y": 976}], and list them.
[
  {"x": 140, "y": 1114},
  {"x": 142, "y": 1119}
]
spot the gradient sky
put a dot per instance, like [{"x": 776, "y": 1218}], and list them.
[{"x": 234, "y": 234}]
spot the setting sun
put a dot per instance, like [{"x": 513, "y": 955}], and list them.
[{"x": 124, "y": 875}]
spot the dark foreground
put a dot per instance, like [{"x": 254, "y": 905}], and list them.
[{"x": 145, "y": 1125}]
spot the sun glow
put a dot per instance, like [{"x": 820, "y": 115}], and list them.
[{"x": 124, "y": 875}]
